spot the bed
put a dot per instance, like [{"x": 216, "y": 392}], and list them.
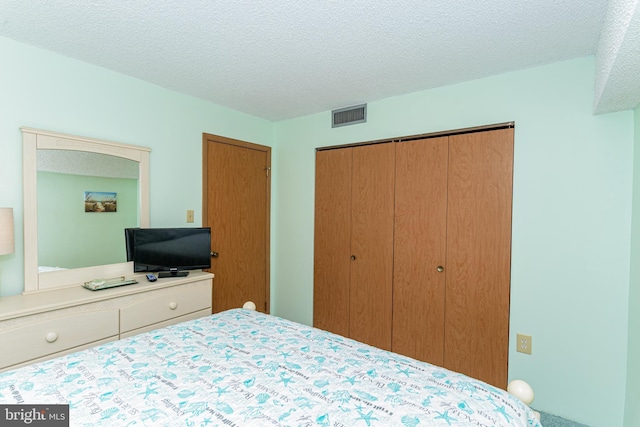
[{"x": 245, "y": 368}]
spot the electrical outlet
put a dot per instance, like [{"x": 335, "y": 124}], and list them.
[
  {"x": 189, "y": 215},
  {"x": 523, "y": 343}
]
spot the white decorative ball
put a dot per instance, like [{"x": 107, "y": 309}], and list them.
[
  {"x": 249, "y": 305},
  {"x": 521, "y": 390}
]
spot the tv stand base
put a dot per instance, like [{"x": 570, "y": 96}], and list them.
[{"x": 165, "y": 274}]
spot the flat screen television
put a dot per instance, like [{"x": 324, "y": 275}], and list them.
[{"x": 170, "y": 252}]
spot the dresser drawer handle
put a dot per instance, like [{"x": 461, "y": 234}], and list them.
[
  {"x": 52, "y": 337},
  {"x": 173, "y": 305}
]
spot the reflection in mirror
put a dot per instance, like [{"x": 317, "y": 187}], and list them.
[
  {"x": 64, "y": 176},
  {"x": 75, "y": 227}
]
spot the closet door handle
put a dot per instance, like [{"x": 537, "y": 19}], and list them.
[
  {"x": 214, "y": 254},
  {"x": 440, "y": 269},
  {"x": 353, "y": 257}
]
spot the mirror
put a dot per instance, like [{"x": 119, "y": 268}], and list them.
[
  {"x": 85, "y": 200},
  {"x": 79, "y": 195}
]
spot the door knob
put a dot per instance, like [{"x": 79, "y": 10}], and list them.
[
  {"x": 353, "y": 257},
  {"x": 440, "y": 269},
  {"x": 214, "y": 254}
]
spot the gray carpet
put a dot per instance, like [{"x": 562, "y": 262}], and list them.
[{"x": 548, "y": 420}]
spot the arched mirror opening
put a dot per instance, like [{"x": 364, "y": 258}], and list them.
[
  {"x": 80, "y": 195},
  {"x": 85, "y": 200}
]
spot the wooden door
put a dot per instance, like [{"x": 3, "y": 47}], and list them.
[
  {"x": 372, "y": 211},
  {"x": 420, "y": 249},
  {"x": 332, "y": 241},
  {"x": 479, "y": 254},
  {"x": 236, "y": 193}
]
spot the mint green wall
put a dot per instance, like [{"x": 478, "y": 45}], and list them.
[
  {"x": 84, "y": 238},
  {"x": 572, "y": 203},
  {"x": 571, "y": 222},
  {"x": 632, "y": 408},
  {"x": 41, "y": 89}
]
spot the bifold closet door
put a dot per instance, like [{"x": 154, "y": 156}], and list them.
[
  {"x": 372, "y": 212},
  {"x": 420, "y": 249},
  {"x": 478, "y": 257},
  {"x": 332, "y": 241}
]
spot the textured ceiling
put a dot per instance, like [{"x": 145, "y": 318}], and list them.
[
  {"x": 88, "y": 164},
  {"x": 280, "y": 59},
  {"x": 618, "y": 58}
]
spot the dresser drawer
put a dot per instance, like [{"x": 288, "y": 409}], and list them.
[
  {"x": 174, "y": 321},
  {"x": 32, "y": 341},
  {"x": 166, "y": 304},
  {"x": 59, "y": 354}
]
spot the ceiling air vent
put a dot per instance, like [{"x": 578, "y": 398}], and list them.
[{"x": 349, "y": 116}]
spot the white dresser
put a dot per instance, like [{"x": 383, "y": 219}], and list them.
[{"x": 43, "y": 325}]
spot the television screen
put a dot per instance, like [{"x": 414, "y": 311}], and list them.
[
  {"x": 128, "y": 240},
  {"x": 169, "y": 251}
]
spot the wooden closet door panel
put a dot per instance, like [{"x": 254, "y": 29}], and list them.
[
  {"x": 479, "y": 254},
  {"x": 332, "y": 241},
  {"x": 419, "y": 248},
  {"x": 372, "y": 210}
]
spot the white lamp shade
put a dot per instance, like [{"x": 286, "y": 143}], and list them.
[{"x": 6, "y": 231}]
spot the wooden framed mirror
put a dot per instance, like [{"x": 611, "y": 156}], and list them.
[{"x": 64, "y": 177}]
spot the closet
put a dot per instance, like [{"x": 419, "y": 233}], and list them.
[
  {"x": 354, "y": 242},
  {"x": 413, "y": 247}
]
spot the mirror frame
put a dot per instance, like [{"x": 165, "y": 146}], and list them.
[{"x": 35, "y": 139}]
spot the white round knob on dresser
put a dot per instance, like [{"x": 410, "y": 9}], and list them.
[
  {"x": 173, "y": 305},
  {"x": 52, "y": 337}
]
